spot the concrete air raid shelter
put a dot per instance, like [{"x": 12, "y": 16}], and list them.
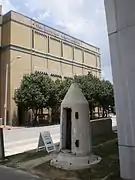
[{"x": 75, "y": 143}]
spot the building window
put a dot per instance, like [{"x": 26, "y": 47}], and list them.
[
  {"x": 32, "y": 39},
  {"x": 76, "y": 115},
  {"x": 77, "y": 143}
]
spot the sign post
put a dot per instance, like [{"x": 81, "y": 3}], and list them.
[{"x": 45, "y": 142}]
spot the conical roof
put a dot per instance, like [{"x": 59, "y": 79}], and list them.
[{"x": 74, "y": 96}]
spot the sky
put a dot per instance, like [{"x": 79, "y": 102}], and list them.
[{"x": 84, "y": 19}]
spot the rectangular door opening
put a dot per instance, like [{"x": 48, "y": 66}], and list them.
[{"x": 68, "y": 128}]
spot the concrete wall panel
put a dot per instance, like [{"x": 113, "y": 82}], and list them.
[
  {"x": 39, "y": 64},
  {"x": 55, "y": 47},
  {"x": 20, "y": 18},
  {"x": 78, "y": 55},
  {"x": 67, "y": 51},
  {"x": 67, "y": 70},
  {"x": 41, "y": 42},
  {"x": 18, "y": 68},
  {"x": 85, "y": 71},
  {"x": 98, "y": 63},
  {"x": 101, "y": 127},
  {"x": 77, "y": 70},
  {"x": 20, "y": 35},
  {"x": 6, "y": 34},
  {"x": 5, "y": 56},
  {"x": 89, "y": 59},
  {"x": 54, "y": 67}
]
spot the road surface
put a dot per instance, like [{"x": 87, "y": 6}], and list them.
[
  {"x": 25, "y": 139},
  {"x": 7, "y": 173}
]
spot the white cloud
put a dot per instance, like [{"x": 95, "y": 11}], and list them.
[
  {"x": 67, "y": 14},
  {"x": 82, "y": 18},
  {"x": 42, "y": 16},
  {"x": 7, "y": 6}
]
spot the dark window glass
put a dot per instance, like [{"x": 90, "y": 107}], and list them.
[
  {"x": 76, "y": 115},
  {"x": 77, "y": 143}
]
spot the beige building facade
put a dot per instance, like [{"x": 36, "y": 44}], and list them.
[{"x": 28, "y": 46}]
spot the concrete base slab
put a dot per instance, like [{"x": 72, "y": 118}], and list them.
[{"x": 73, "y": 162}]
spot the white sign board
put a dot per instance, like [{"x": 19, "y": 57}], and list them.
[{"x": 45, "y": 141}]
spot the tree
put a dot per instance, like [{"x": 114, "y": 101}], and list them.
[
  {"x": 36, "y": 91},
  {"x": 62, "y": 87},
  {"x": 105, "y": 96},
  {"x": 88, "y": 83},
  {"x": 99, "y": 93}
]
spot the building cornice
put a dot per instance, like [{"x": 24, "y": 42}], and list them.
[
  {"x": 32, "y": 25},
  {"x": 49, "y": 56}
]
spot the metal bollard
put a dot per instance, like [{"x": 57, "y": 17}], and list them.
[{"x": 2, "y": 152}]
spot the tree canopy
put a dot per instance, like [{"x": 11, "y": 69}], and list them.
[{"x": 38, "y": 91}]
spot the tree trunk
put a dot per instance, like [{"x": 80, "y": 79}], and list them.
[
  {"x": 55, "y": 115},
  {"x": 103, "y": 115},
  {"x": 105, "y": 112},
  {"x": 91, "y": 110},
  {"x": 50, "y": 115},
  {"x": 98, "y": 112},
  {"x": 35, "y": 116}
]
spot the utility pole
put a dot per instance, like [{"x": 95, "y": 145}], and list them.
[
  {"x": 6, "y": 89},
  {"x": 6, "y": 95}
]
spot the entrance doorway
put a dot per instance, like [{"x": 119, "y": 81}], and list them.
[{"x": 68, "y": 128}]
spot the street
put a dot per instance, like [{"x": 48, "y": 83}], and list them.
[{"x": 25, "y": 139}]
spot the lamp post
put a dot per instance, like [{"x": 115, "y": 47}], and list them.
[{"x": 6, "y": 89}]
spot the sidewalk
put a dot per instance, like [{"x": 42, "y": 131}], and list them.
[
  {"x": 7, "y": 173},
  {"x": 11, "y": 127}
]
